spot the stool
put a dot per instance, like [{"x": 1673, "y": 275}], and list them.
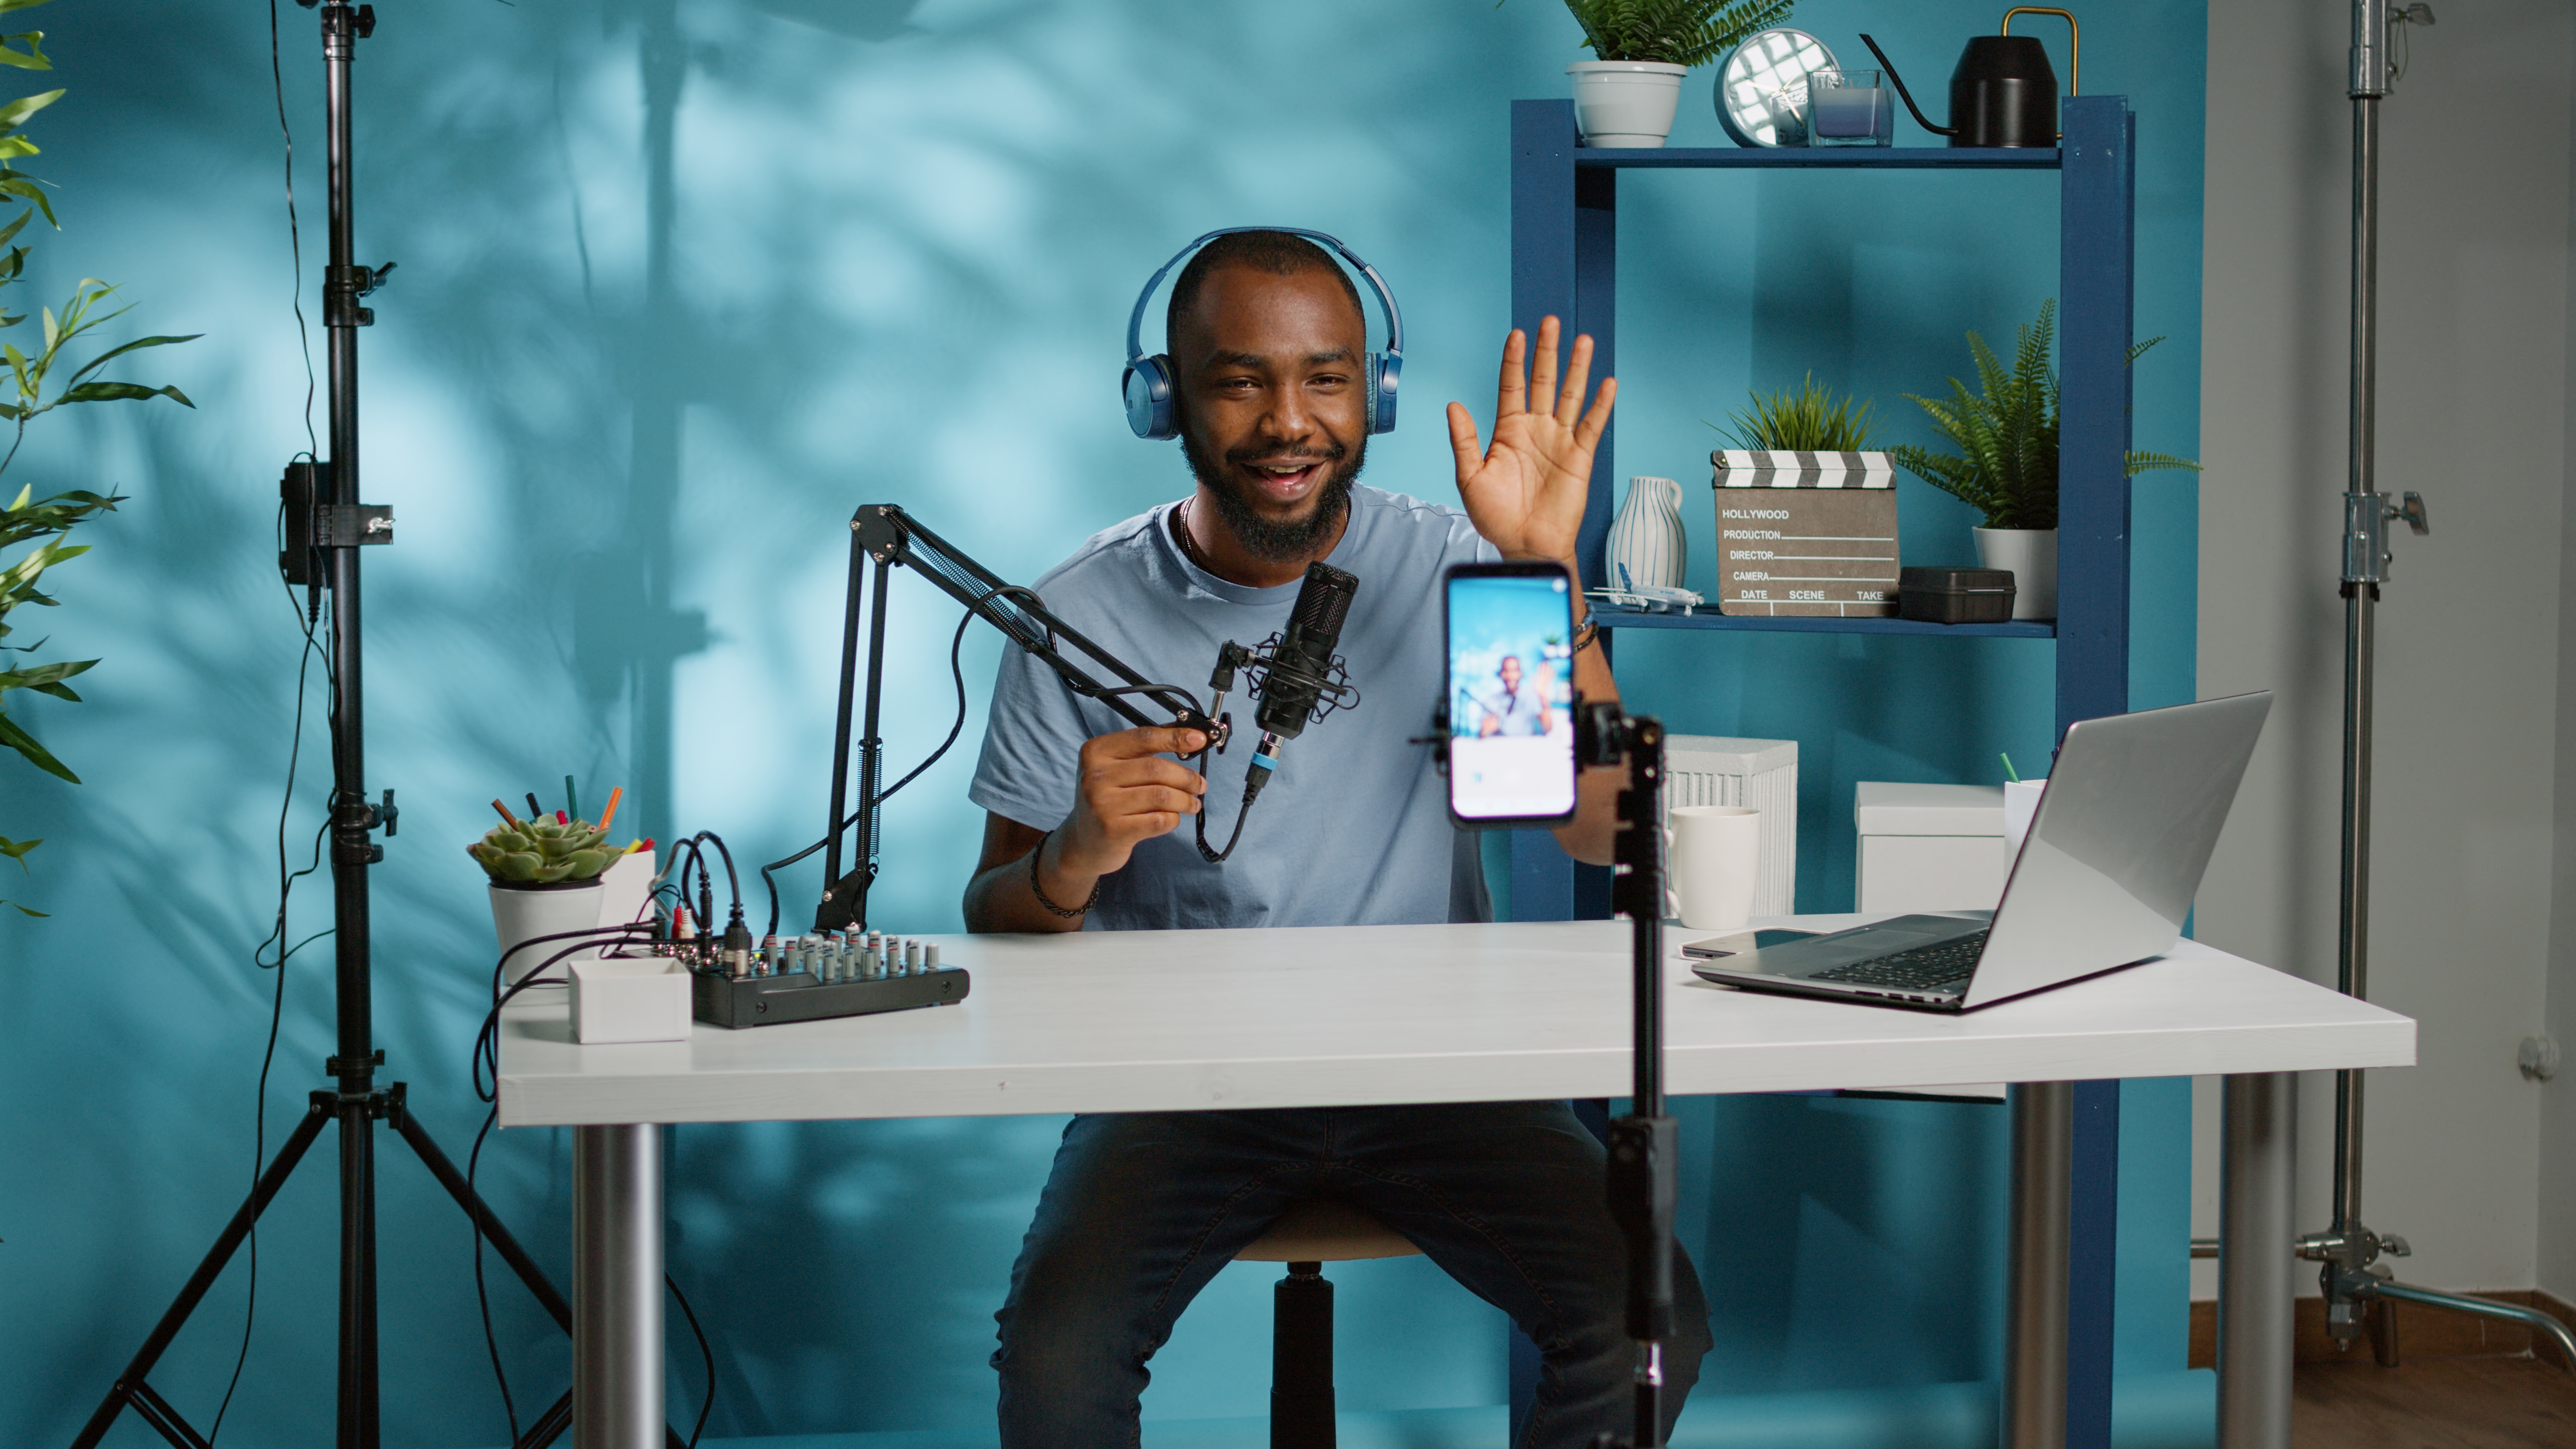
[{"x": 1306, "y": 1237}]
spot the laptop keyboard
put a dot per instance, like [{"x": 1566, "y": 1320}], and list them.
[{"x": 1925, "y": 968}]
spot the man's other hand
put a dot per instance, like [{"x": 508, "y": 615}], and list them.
[
  {"x": 1127, "y": 793},
  {"x": 1525, "y": 493}
]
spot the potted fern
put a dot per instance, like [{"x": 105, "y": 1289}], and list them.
[
  {"x": 1626, "y": 94},
  {"x": 2006, "y": 463}
]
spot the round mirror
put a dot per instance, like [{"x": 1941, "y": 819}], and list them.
[{"x": 1762, "y": 88}]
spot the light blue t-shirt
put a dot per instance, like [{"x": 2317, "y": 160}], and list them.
[{"x": 1354, "y": 829}]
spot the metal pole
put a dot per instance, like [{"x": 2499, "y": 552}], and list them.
[
  {"x": 2035, "y": 1294},
  {"x": 617, "y": 1287},
  {"x": 841, "y": 720},
  {"x": 344, "y": 283},
  {"x": 2256, "y": 1288}
]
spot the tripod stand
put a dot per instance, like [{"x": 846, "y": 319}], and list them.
[{"x": 326, "y": 527}]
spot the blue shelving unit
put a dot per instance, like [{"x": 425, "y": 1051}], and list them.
[{"x": 1565, "y": 215}]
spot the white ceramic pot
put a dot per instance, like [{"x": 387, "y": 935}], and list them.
[
  {"x": 523, "y": 913},
  {"x": 1625, "y": 102},
  {"x": 1647, "y": 549},
  {"x": 2031, "y": 554}
]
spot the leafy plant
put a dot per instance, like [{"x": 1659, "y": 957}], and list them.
[
  {"x": 542, "y": 852},
  {"x": 45, "y": 523},
  {"x": 1809, "y": 419},
  {"x": 2006, "y": 433},
  {"x": 1675, "y": 32}
]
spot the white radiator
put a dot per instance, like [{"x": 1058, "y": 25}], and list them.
[{"x": 1717, "y": 770}]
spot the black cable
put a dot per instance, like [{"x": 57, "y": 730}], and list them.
[
  {"x": 706, "y": 1355},
  {"x": 957, "y": 673},
  {"x": 1241, "y": 814},
  {"x": 277, "y": 937},
  {"x": 487, "y": 1048}
]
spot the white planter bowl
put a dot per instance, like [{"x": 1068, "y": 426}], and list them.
[
  {"x": 525, "y": 913},
  {"x": 2031, "y": 554},
  {"x": 1625, "y": 102}
]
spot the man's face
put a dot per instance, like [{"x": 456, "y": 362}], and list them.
[
  {"x": 1274, "y": 403},
  {"x": 1511, "y": 672}
]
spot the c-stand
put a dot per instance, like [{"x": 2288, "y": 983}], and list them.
[
  {"x": 1641, "y": 1143},
  {"x": 326, "y": 527}
]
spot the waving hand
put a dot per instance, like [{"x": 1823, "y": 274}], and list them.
[{"x": 1525, "y": 493}]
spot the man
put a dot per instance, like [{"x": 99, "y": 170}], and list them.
[
  {"x": 1514, "y": 710},
  {"x": 1085, "y": 828}
]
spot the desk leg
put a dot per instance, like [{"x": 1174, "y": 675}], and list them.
[
  {"x": 617, "y": 1287},
  {"x": 2257, "y": 1273},
  {"x": 2035, "y": 1304}
]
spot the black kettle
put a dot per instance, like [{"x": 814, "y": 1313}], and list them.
[{"x": 2003, "y": 92}]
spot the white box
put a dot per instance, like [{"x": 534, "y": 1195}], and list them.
[
  {"x": 630, "y": 998},
  {"x": 1929, "y": 847},
  {"x": 1763, "y": 774}
]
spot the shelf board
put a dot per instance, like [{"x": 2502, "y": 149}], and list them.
[
  {"x": 1814, "y": 624},
  {"x": 1865, "y": 158}
]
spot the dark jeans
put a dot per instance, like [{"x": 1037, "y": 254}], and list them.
[{"x": 1142, "y": 1210}]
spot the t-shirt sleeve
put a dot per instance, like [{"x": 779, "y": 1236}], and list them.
[{"x": 1032, "y": 745}]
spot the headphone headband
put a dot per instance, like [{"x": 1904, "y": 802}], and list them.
[
  {"x": 1385, "y": 297},
  {"x": 1148, "y": 383}
]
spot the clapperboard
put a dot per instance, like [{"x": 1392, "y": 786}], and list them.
[{"x": 1805, "y": 533}]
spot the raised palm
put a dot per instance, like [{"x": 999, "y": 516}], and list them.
[{"x": 1525, "y": 493}]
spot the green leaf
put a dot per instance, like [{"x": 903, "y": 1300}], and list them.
[
  {"x": 33, "y": 57},
  {"x": 103, "y": 358},
  {"x": 116, "y": 392},
  {"x": 37, "y": 755},
  {"x": 17, "y": 849},
  {"x": 16, "y": 112},
  {"x": 14, "y": 184}
]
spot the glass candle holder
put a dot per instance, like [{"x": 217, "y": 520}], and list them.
[{"x": 1849, "y": 108}]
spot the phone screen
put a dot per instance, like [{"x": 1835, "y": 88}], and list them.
[{"x": 1511, "y": 692}]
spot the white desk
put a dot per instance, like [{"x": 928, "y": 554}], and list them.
[{"x": 1162, "y": 1020}]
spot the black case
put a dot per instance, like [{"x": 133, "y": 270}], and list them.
[{"x": 1949, "y": 594}]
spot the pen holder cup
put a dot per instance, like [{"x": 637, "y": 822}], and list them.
[{"x": 523, "y": 913}]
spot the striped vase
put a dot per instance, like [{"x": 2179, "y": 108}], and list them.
[{"x": 1646, "y": 538}]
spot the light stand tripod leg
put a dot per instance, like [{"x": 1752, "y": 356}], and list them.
[
  {"x": 129, "y": 1386},
  {"x": 485, "y": 1220}
]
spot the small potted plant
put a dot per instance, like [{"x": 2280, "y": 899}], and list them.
[
  {"x": 1802, "y": 469},
  {"x": 2006, "y": 464},
  {"x": 1626, "y": 94},
  {"x": 545, "y": 879}
]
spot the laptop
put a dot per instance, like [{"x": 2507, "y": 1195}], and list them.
[{"x": 2105, "y": 877}]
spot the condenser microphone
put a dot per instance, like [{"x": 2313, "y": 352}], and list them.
[
  {"x": 1302, "y": 664},
  {"x": 1300, "y": 668}
]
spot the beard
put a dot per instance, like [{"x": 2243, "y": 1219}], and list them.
[{"x": 1279, "y": 540}]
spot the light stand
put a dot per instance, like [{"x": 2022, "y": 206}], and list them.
[
  {"x": 326, "y": 528},
  {"x": 1641, "y": 1144},
  {"x": 2349, "y": 1250}
]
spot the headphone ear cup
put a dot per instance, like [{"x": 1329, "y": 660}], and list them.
[
  {"x": 1148, "y": 388},
  {"x": 1385, "y": 373}
]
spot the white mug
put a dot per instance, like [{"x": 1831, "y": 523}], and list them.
[{"x": 1715, "y": 864}]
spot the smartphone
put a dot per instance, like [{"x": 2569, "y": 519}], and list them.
[
  {"x": 1509, "y": 633},
  {"x": 1742, "y": 941}
]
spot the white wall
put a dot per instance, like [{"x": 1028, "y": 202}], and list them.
[{"x": 2474, "y": 376}]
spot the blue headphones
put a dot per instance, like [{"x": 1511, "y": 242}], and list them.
[{"x": 1148, "y": 380}]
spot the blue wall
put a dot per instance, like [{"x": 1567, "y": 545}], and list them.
[{"x": 681, "y": 284}]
